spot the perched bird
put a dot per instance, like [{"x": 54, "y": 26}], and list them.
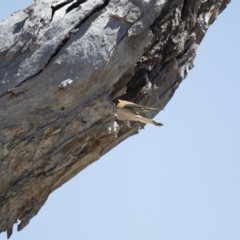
[{"x": 132, "y": 112}]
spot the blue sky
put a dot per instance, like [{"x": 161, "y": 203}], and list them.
[{"x": 179, "y": 182}]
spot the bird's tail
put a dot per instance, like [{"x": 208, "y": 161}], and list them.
[{"x": 148, "y": 120}]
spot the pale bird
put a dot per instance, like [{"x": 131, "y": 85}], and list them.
[{"x": 132, "y": 112}]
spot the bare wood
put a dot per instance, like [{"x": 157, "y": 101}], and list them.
[{"x": 62, "y": 63}]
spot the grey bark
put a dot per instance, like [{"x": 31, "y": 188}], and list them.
[{"x": 62, "y": 63}]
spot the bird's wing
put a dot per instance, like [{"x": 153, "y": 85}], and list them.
[{"x": 137, "y": 108}]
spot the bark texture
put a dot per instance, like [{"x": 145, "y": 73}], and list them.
[{"x": 62, "y": 62}]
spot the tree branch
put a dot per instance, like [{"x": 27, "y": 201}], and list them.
[{"x": 62, "y": 63}]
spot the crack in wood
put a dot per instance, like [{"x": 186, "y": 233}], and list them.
[
  {"x": 58, "y": 6},
  {"x": 75, "y": 5}
]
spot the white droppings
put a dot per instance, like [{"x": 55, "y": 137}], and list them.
[{"x": 65, "y": 83}]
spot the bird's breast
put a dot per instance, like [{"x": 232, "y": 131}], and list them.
[{"x": 125, "y": 114}]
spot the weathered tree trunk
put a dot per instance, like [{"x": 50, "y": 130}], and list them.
[{"x": 62, "y": 62}]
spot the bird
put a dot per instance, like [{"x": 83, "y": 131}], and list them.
[{"x": 133, "y": 112}]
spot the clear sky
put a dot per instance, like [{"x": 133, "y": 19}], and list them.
[{"x": 179, "y": 182}]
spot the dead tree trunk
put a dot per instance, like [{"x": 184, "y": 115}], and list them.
[{"x": 62, "y": 62}]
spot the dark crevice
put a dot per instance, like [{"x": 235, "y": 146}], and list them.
[
  {"x": 138, "y": 81},
  {"x": 60, "y": 46},
  {"x": 55, "y": 8},
  {"x": 75, "y": 5},
  {"x": 184, "y": 10}
]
